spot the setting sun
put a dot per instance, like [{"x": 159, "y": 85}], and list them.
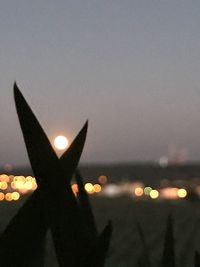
[{"x": 61, "y": 142}]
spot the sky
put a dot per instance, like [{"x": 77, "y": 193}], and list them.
[{"x": 131, "y": 67}]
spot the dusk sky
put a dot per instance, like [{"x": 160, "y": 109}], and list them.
[{"x": 131, "y": 67}]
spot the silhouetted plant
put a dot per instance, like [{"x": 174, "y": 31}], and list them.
[
  {"x": 85, "y": 207},
  {"x": 99, "y": 245},
  {"x": 168, "y": 259},
  {"x": 144, "y": 260},
  {"x": 52, "y": 205}
]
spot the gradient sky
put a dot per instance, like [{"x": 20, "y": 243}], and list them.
[{"x": 131, "y": 67}]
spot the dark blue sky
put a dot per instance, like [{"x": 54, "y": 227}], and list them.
[{"x": 131, "y": 67}]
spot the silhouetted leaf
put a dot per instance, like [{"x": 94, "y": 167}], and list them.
[
  {"x": 42, "y": 157},
  {"x": 71, "y": 156},
  {"x": 69, "y": 231},
  {"x": 191, "y": 233},
  {"x": 31, "y": 215},
  {"x": 97, "y": 255},
  {"x": 23, "y": 241},
  {"x": 168, "y": 259},
  {"x": 85, "y": 207},
  {"x": 144, "y": 260},
  {"x": 51, "y": 203}
]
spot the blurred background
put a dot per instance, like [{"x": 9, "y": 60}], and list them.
[{"x": 131, "y": 68}]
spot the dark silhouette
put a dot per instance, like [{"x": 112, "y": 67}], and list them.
[
  {"x": 168, "y": 259},
  {"x": 85, "y": 208},
  {"x": 144, "y": 260},
  {"x": 52, "y": 205}
]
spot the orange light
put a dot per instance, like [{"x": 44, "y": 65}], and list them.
[
  {"x": 169, "y": 192},
  {"x": 4, "y": 178},
  {"x": 13, "y": 185},
  {"x": 139, "y": 191},
  {"x": 75, "y": 188},
  {"x": 8, "y": 197},
  {"x": 102, "y": 179},
  {"x": 97, "y": 188},
  {"x": 34, "y": 186},
  {"x": 2, "y": 196},
  {"x": 11, "y": 177}
]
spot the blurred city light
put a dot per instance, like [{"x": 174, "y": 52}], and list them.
[
  {"x": 12, "y": 188},
  {"x": 154, "y": 194},
  {"x": 139, "y": 191},
  {"x": 102, "y": 179},
  {"x": 182, "y": 193}
]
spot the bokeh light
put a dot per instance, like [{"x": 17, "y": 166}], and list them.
[
  {"x": 102, "y": 179},
  {"x": 15, "y": 196},
  {"x": 97, "y": 188},
  {"x": 89, "y": 188},
  {"x": 139, "y": 191},
  {"x": 2, "y": 196},
  {"x": 154, "y": 194},
  {"x": 182, "y": 193},
  {"x": 8, "y": 196},
  {"x": 147, "y": 190}
]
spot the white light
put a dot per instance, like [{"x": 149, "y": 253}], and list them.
[
  {"x": 111, "y": 190},
  {"x": 61, "y": 142},
  {"x": 163, "y": 161}
]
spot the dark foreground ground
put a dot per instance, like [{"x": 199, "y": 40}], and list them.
[{"x": 126, "y": 245}]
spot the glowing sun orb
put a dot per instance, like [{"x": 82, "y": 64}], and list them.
[{"x": 61, "y": 142}]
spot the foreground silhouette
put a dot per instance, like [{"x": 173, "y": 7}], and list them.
[{"x": 53, "y": 205}]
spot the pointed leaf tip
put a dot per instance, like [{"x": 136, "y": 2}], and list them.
[
  {"x": 17, "y": 94},
  {"x": 15, "y": 88},
  {"x": 100, "y": 250},
  {"x": 109, "y": 227},
  {"x": 84, "y": 130},
  {"x": 85, "y": 207},
  {"x": 85, "y": 127},
  {"x": 75, "y": 150}
]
